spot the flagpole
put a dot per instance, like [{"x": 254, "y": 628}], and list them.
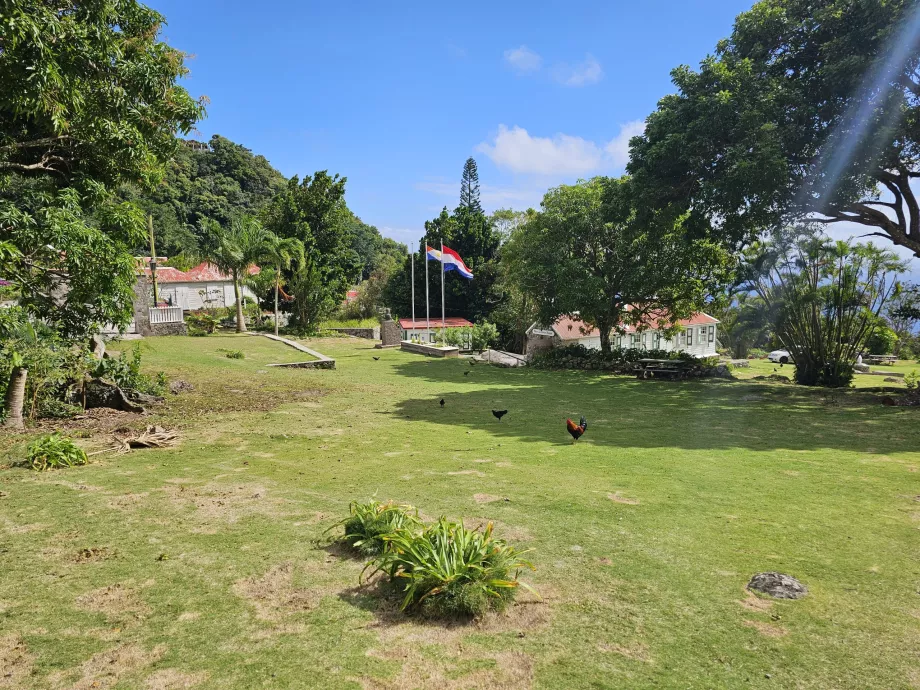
[
  {"x": 443, "y": 320},
  {"x": 412, "y": 261},
  {"x": 427, "y": 311}
]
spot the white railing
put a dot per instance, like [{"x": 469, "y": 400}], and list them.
[{"x": 166, "y": 315}]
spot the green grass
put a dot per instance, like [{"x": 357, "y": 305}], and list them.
[
  {"x": 763, "y": 367},
  {"x": 203, "y": 559}
]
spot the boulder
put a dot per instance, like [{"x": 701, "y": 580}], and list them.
[
  {"x": 503, "y": 359},
  {"x": 861, "y": 368},
  {"x": 777, "y": 585}
]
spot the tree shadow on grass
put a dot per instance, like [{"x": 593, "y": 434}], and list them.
[{"x": 624, "y": 412}]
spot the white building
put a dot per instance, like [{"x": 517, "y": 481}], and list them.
[
  {"x": 697, "y": 336},
  {"x": 200, "y": 287},
  {"x": 418, "y": 330}
]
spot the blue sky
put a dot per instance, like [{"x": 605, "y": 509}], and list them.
[{"x": 396, "y": 96}]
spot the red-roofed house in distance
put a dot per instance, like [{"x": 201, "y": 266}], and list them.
[
  {"x": 418, "y": 330},
  {"x": 203, "y": 286},
  {"x": 697, "y": 336}
]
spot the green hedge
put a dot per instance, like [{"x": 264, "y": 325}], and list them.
[{"x": 619, "y": 360}]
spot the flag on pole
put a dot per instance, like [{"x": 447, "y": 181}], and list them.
[{"x": 451, "y": 260}]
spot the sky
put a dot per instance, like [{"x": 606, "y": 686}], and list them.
[{"x": 396, "y": 96}]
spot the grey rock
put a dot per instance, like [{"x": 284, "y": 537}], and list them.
[
  {"x": 862, "y": 368},
  {"x": 778, "y": 585}
]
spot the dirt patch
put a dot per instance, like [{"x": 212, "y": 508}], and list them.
[
  {"x": 475, "y": 473},
  {"x": 127, "y": 501},
  {"x": 767, "y": 629},
  {"x": 486, "y": 498},
  {"x": 617, "y": 498},
  {"x": 93, "y": 554},
  {"x": 105, "y": 669},
  {"x": 274, "y": 596},
  {"x": 754, "y": 603},
  {"x": 637, "y": 652},
  {"x": 173, "y": 679},
  {"x": 507, "y": 671},
  {"x": 224, "y": 503},
  {"x": 15, "y": 661},
  {"x": 118, "y": 602},
  {"x": 11, "y": 527},
  {"x": 189, "y": 616},
  {"x": 504, "y": 464}
]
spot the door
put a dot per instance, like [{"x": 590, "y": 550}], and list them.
[{"x": 182, "y": 297}]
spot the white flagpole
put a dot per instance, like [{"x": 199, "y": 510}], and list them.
[
  {"x": 412, "y": 261},
  {"x": 443, "y": 320},
  {"x": 427, "y": 312}
]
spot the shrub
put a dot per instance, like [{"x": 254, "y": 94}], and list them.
[
  {"x": 53, "y": 451},
  {"x": 484, "y": 334},
  {"x": 580, "y": 357},
  {"x": 125, "y": 371},
  {"x": 370, "y": 524},
  {"x": 232, "y": 354},
  {"x": 448, "y": 570},
  {"x": 757, "y": 353},
  {"x": 911, "y": 379},
  {"x": 202, "y": 322}
]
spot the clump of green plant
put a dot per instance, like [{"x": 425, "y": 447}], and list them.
[
  {"x": 450, "y": 571},
  {"x": 370, "y": 524},
  {"x": 911, "y": 379},
  {"x": 54, "y": 451},
  {"x": 125, "y": 371},
  {"x": 232, "y": 354},
  {"x": 202, "y": 323}
]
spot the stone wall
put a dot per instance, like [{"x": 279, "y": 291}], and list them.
[
  {"x": 143, "y": 296},
  {"x": 430, "y": 350},
  {"x": 155, "y": 329},
  {"x": 369, "y": 333}
]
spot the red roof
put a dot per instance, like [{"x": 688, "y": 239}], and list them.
[
  {"x": 421, "y": 324},
  {"x": 202, "y": 273},
  {"x": 572, "y": 328}
]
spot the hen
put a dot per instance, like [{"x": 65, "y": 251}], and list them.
[
  {"x": 498, "y": 414},
  {"x": 576, "y": 430}
]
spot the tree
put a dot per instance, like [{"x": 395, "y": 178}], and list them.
[
  {"x": 744, "y": 322},
  {"x": 811, "y": 109},
  {"x": 469, "y": 187},
  {"x": 903, "y": 313},
  {"x": 234, "y": 249},
  {"x": 313, "y": 211},
  {"x": 586, "y": 253},
  {"x": 372, "y": 249},
  {"x": 280, "y": 254},
  {"x": 827, "y": 297},
  {"x": 882, "y": 341}
]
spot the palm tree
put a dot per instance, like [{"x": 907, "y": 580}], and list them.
[
  {"x": 233, "y": 250},
  {"x": 280, "y": 253}
]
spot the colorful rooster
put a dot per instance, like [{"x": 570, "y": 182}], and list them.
[{"x": 576, "y": 430}]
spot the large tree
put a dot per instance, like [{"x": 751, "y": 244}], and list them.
[
  {"x": 810, "y": 109},
  {"x": 469, "y": 186},
  {"x": 313, "y": 211},
  {"x": 587, "y": 252}
]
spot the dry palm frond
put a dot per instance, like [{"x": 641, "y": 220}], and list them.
[{"x": 151, "y": 437}]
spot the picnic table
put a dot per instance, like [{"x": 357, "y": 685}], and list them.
[
  {"x": 663, "y": 368},
  {"x": 880, "y": 359}
]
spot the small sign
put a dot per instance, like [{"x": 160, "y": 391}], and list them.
[{"x": 542, "y": 331}]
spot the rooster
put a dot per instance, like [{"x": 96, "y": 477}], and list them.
[{"x": 576, "y": 430}]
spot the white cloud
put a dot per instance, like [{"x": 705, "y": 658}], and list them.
[
  {"x": 514, "y": 149},
  {"x": 580, "y": 74},
  {"x": 618, "y": 147},
  {"x": 562, "y": 154},
  {"x": 523, "y": 60}
]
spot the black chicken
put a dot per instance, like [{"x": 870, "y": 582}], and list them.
[
  {"x": 498, "y": 414},
  {"x": 441, "y": 403}
]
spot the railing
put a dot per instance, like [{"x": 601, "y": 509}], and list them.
[{"x": 166, "y": 315}]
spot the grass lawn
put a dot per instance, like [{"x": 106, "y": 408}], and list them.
[
  {"x": 763, "y": 367},
  {"x": 196, "y": 566}
]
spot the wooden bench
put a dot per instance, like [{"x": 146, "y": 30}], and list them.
[
  {"x": 881, "y": 359},
  {"x": 663, "y": 368}
]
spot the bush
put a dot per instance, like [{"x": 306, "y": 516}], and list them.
[
  {"x": 54, "y": 451},
  {"x": 202, "y": 323},
  {"x": 911, "y": 379},
  {"x": 619, "y": 360},
  {"x": 757, "y": 353},
  {"x": 450, "y": 571},
  {"x": 370, "y": 524},
  {"x": 232, "y": 354},
  {"x": 484, "y": 334},
  {"x": 882, "y": 341},
  {"x": 125, "y": 371}
]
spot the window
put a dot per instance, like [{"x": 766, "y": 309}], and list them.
[
  {"x": 644, "y": 341},
  {"x": 712, "y": 334},
  {"x": 702, "y": 334},
  {"x": 689, "y": 337}
]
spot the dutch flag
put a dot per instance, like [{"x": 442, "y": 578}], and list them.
[{"x": 451, "y": 261}]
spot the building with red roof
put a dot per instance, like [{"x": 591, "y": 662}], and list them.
[
  {"x": 697, "y": 335},
  {"x": 203, "y": 286}
]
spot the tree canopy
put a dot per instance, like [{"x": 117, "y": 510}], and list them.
[
  {"x": 90, "y": 101},
  {"x": 809, "y": 109},
  {"x": 587, "y": 252}
]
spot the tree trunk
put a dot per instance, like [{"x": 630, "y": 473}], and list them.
[
  {"x": 605, "y": 337},
  {"x": 240, "y": 323},
  {"x": 277, "y": 287},
  {"x": 15, "y": 398}
]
